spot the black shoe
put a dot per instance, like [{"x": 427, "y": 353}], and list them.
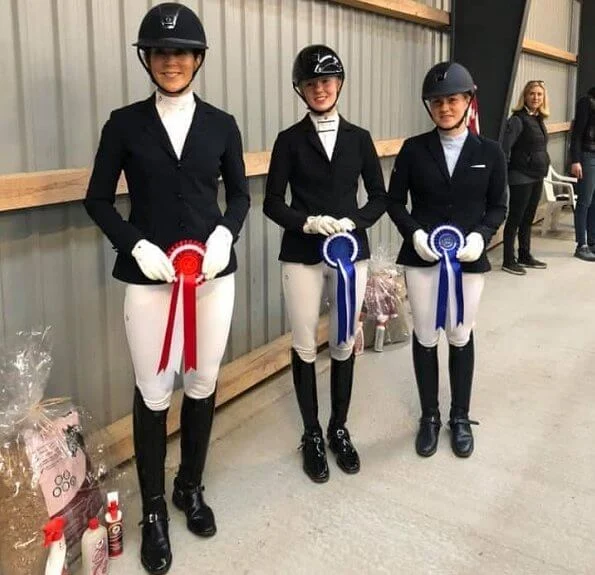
[
  {"x": 155, "y": 550},
  {"x": 530, "y": 262},
  {"x": 514, "y": 268},
  {"x": 426, "y": 441},
  {"x": 585, "y": 254},
  {"x": 199, "y": 516},
  {"x": 314, "y": 455},
  {"x": 461, "y": 436},
  {"x": 340, "y": 444}
]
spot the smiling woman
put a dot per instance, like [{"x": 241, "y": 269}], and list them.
[
  {"x": 173, "y": 69},
  {"x": 446, "y": 111},
  {"x": 160, "y": 144},
  {"x": 456, "y": 182},
  {"x": 321, "y": 158}
]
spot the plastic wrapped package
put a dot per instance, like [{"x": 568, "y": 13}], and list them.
[
  {"x": 384, "y": 319},
  {"x": 52, "y": 457}
]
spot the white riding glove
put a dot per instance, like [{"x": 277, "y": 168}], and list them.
[
  {"x": 153, "y": 262},
  {"x": 472, "y": 249},
  {"x": 217, "y": 253},
  {"x": 422, "y": 247},
  {"x": 323, "y": 225},
  {"x": 347, "y": 225}
]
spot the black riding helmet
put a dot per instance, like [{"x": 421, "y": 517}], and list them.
[
  {"x": 446, "y": 79},
  {"x": 316, "y": 61},
  {"x": 172, "y": 26}
]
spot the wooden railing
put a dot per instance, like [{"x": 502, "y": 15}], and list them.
[{"x": 35, "y": 189}]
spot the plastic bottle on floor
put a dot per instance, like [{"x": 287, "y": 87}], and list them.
[
  {"x": 54, "y": 539},
  {"x": 94, "y": 549},
  {"x": 113, "y": 520}
]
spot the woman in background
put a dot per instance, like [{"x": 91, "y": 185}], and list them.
[{"x": 525, "y": 145}]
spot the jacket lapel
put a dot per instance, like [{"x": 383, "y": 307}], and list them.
[
  {"x": 472, "y": 143},
  {"x": 312, "y": 136},
  {"x": 342, "y": 138},
  {"x": 437, "y": 152},
  {"x": 198, "y": 127},
  {"x": 155, "y": 127}
]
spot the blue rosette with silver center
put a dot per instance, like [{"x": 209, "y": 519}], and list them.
[
  {"x": 446, "y": 241},
  {"x": 340, "y": 251}
]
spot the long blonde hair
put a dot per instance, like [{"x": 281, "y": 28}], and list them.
[{"x": 544, "y": 109}]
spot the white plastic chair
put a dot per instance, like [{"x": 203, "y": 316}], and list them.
[{"x": 558, "y": 192}]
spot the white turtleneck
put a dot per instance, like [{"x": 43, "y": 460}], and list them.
[
  {"x": 326, "y": 126},
  {"x": 176, "y": 113},
  {"x": 452, "y": 146}
]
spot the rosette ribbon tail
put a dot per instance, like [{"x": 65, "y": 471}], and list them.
[
  {"x": 189, "y": 299},
  {"x": 446, "y": 240},
  {"x": 186, "y": 257},
  {"x": 169, "y": 330},
  {"x": 345, "y": 299},
  {"x": 339, "y": 251}
]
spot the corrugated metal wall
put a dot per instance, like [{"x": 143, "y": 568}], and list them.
[
  {"x": 70, "y": 62},
  {"x": 550, "y": 22}
]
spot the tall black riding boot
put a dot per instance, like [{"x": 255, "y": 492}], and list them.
[
  {"x": 196, "y": 421},
  {"x": 150, "y": 437},
  {"x": 425, "y": 365},
  {"x": 460, "y": 365},
  {"x": 314, "y": 456},
  {"x": 339, "y": 441}
]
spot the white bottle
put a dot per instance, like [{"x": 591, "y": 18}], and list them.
[
  {"x": 54, "y": 539},
  {"x": 94, "y": 549},
  {"x": 113, "y": 520}
]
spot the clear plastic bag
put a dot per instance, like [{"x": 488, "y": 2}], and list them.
[
  {"x": 384, "y": 319},
  {"x": 53, "y": 458}
]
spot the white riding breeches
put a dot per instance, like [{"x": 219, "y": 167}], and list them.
[
  {"x": 303, "y": 288},
  {"x": 422, "y": 291},
  {"x": 146, "y": 310}
]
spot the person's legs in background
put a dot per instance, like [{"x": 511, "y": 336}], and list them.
[
  {"x": 519, "y": 199},
  {"x": 584, "y": 213},
  {"x": 525, "y": 258}
]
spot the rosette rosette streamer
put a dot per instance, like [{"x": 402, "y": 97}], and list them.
[
  {"x": 186, "y": 257},
  {"x": 340, "y": 252},
  {"x": 446, "y": 241}
]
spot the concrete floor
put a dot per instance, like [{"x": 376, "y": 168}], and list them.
[{"x": 523, "y": 504}]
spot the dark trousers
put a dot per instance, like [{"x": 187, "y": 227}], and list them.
[
  {"x": 584, "y": 214},
  {"x": 524, "y": 199}
]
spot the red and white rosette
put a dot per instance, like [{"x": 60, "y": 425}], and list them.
[{"x": 186, "y": 257}]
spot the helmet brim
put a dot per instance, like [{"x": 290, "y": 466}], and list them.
[
  {"x": 339, "y": 75},
  {"x": 443, "y": 94},
  {"x": 179, "y": 43}
]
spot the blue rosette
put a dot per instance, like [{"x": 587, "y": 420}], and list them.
[
  {"x": 340, "y": 251},
  {"x": 446, "y": 241}
]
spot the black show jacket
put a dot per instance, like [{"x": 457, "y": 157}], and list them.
[
  {"x": 322, "y": 187},
  {"x": 171, "y": 199},
  {"x": 474, "y": 199}
]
